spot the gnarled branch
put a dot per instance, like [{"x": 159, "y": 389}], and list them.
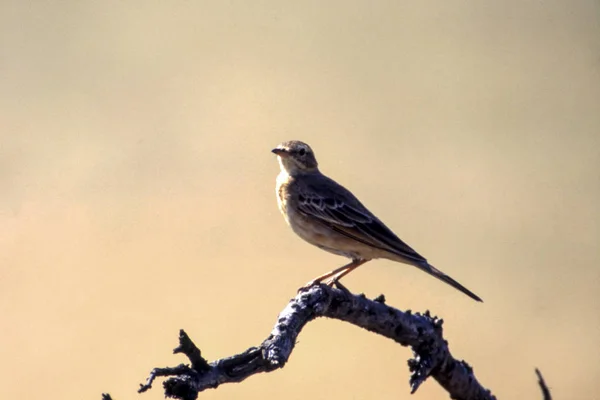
[{"x": 422, "y": 332}]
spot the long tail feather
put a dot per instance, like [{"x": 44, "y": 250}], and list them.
[{"x": 430, "y": 269}]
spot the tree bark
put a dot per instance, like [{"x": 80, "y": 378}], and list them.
[{"x": 421, "y": 332}]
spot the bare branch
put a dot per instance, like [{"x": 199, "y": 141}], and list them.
[
  {"x": 422, "y": 332},
  {"x": 542, "y": 383}
]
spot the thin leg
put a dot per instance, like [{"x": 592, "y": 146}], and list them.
[
  {"x": 338, "y": 272},
  {"x": 333, "y": 279}
]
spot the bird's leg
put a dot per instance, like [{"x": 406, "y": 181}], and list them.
[
  {"x": 336, "y": 273},
  {"x": 319, "y": 279},
  {"x": 349, "y": 268}
]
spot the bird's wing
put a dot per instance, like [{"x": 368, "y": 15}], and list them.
[
  {"x": 342, "y": 212},
  {"x": 338, "y": 209}
]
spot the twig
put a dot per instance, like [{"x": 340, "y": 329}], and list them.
[
  {"x": 422, "y": 332},
  {"x": 542, "y": 383}
]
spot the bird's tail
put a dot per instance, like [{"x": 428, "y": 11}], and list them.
[{"x": 430, "y": 269}]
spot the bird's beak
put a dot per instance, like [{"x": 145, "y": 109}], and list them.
[{"x": 279, "y": 151}]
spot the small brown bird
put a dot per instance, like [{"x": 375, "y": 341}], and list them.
[{"x": 327, "y": 215}]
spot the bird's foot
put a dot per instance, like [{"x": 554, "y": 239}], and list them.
[
  {"x": 309, "y": 285},
  {"x": 331, "y": 282},
  {"x": 343, "y": 288},
  {"x": 335, "y": 281}
]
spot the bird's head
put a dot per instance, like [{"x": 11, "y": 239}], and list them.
[{"x": 296, "y": 157}]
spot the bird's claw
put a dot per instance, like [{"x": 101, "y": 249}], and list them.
[
  {"x": 331, "y": 282},
  {"x": 339, "y": 285},
  {"x": 308, "y": 285}
]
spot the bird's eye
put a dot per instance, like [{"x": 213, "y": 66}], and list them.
[{"x": 302, "y": 151}]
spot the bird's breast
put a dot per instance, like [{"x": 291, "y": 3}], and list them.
[
  {"x": 309, "y": 229},
  {"x": 287, "y": 200},
  {"x": 283, "y": 194}
]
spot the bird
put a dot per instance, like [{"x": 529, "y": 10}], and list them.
[{"x": 328, "y": 216}]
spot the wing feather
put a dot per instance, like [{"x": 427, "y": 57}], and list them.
[{"x": 355, "y": 222}]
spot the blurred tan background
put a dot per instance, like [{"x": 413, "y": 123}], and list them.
[{"x": 137, "y": 188}]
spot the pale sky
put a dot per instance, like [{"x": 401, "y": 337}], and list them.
[{"x": 137, "y": 188}]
